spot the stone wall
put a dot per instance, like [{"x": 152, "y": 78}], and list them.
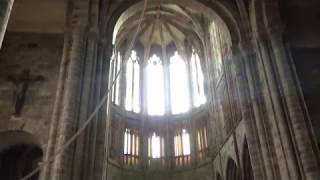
[
  {"x": 308, "y": 70},
  {"x": 203, "y": 172},
  {"x": 41, "y": 54}
]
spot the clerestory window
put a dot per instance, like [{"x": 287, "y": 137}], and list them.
[
  {"x": 131, "y": 147},
  {"x": 132, "y": 100},
  {"x": 155, "y": 86},
  {"x": 182, "y": 86},
  {"x": 155, "y": 146},
  {"x": 182, "y": 143}
]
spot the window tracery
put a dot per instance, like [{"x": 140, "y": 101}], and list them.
[
  {"x": 202, "y": 142},
  {"x": 199, "y": 97},
  {"x": 179, "y": 85},
  {"x": 132, "y": 99},
  {"x": 116, "y": 62},
  {"x": 131, "y": 147},
  {"x": 155, "y": 146},
  {"x": 182, "y": 147},
  {"x": 184, "y": 92},
  {"x": 155, "y": 86}
]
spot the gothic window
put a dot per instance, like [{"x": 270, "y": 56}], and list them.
[
  {"x": 131, "y": 147},
  {"x": 184, "y": 84},
  {"x": 182, "y": 147},
  {"x": 199, "y": 97},
  {"x": 116, "y": 77},
  {"x": 182, "y": 143},
  {"x": 179, "y": 86},
  {"x": 202, "y": 142},
  {"x": 132, "y": 100},
  {"x": 155, "y": 146},
  {"x": 155, "y": 86}
]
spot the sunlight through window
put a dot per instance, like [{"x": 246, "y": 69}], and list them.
[
  {"x": 185, "y": 142},
  {"x": 117, "y": 83},
  {"x": 155, "y": 86},
  {"x": 197, "y": 80},
  {"x": 180, "y": 99},
  {"x": 155, "y": 143},
  {"x": 182, "y": 143},
  {"x": 132, "y": 102},
  {"x": 185, "y": 84}
]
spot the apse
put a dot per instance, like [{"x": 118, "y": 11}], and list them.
[{"x": 160, "y": 96}]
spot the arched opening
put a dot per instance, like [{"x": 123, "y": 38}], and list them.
[
  {"x": 19, "y": 160},
  {"x": 19, "y": 155},
  {"x": 247, "y": 167},
  {"x": 164, "y": 87},
  {"x": 233, "y": 172}
]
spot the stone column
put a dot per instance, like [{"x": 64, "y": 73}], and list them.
[
  {"x": 278, "y": 130},
  {"x": 298, "y": 121},
  {"x": 85, "y": 144},
  {"x": 57, "y": 106},
  {"x": 5, "y": 11},
  {"x": 62, "y": 166},
  {"x": 242, "y": 57}
]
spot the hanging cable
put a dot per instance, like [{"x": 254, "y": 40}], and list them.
[{"x": 98, "y": 107}]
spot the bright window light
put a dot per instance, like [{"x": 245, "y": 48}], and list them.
[
  {"x": 155, "y": 146},
  {"x": 185, "y": 142},
  {"x": 127, "y": 142},
  {"x": 132, "y": 100},
  {"x": 199, "y": 97},
  {"x": 179, "y": 89},
  {"x": 155, "y": 86},
  {"x": 117, "y": 83}
]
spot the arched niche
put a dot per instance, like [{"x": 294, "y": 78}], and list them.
[
  {"x": 20, "y": 153},
  {"x": 232, "y": 171}
]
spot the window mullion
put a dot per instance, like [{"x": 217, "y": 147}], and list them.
[
  {"x": 132, "y": 86},
  {"x": 167, "y": 87},
  {"x": 123, "y": 80},
  {"x": 190, "y": 82}
]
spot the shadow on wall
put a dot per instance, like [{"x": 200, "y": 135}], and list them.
[{"x": 233, "y": 172}]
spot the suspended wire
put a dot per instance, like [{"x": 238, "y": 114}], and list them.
[{"x": 98, "y": 107}]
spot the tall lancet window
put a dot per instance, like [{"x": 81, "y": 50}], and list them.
[
  {"x": 199, "y": 97},
  {"x": 132, "y": 102},
  {"x": 155, "y": 86},
  {"x": 179, "y": 89},
  {"x": 131, "y": 147},
  {"x": 155, "y": 146},
  {"x": 116, "y": 78},
  {"x": 182, "y": 143}
]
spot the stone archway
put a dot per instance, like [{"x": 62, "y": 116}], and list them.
[
  {"x": 19, "y": 155},
  {"x": 232, "y": 172}
]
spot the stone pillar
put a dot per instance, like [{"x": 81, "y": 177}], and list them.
[
  {"x": 298, "y": 121},
  {"x": 62, "y": 167},
  {"x": 242, "y": 57},
  {"x": 5, "y": 11},
  {"x": 85, "y": 144},
  {"x": 57, "y": 104},
  {"x": 276, "y": 120}
]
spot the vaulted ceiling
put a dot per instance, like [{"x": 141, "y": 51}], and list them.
[{"x": 163, "y": 25}]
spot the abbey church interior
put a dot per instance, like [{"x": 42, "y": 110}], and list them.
[{"x": 159, "y": 90}]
